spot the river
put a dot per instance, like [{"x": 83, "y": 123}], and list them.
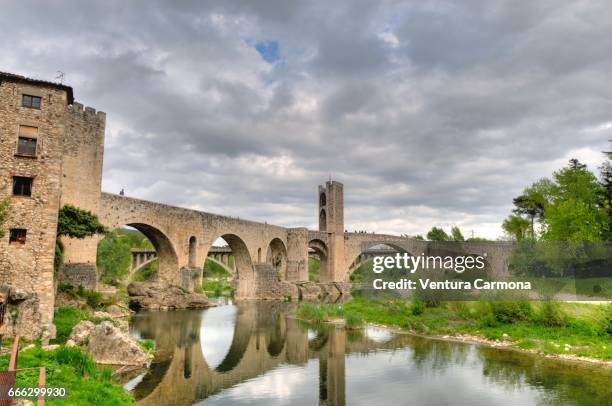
[{"x": 257, "y": 353}]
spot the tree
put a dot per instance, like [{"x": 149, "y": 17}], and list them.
[
  {"x": 516, "y": 227},
  {"x": 437, "y": 234},
  {"x": 606, "y": 196},
  {"x": 114, "y": 256},
  {"x": 533, "y": 201},
  {"x": 575, "y": 213},
  {"x": 77, "y": 223},
  {"x": 456, "y": 234},
  {"x": 4, "y": 210}
]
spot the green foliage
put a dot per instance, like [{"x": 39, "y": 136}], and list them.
[
  {"x": 437, "y": 234},
  {"x": 418, "y": 307},
  {"x": 511, "y": 311},
  {"x": 80, "y": 360},
  {"x": 77, "y": 223},
  {"x": 516, "y": 227},
  {"x": 65, "y": 319},
  {"x": 147, "y": 273},
  {"x": 353, "y": 321},
  {"x": 58, "y": 257},
  {"x": 4, "y": 211},
  {"x": 114, "y": 257},
  {"x": 217, "y": 287},
  {"x": 319, "y": 312},
  {"x": 456, "y": 234},
  {"x": 542, "y": 326},
  {"x": 551, "y": 314},
  {"x": 211, "y": 268},
  {"x": 73, "y": 369},
  {"x": 314, "y": 265},
  {"x": 147, "y": 344}
]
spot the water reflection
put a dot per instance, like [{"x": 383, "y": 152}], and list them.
[{"x": 257, "y": 353}]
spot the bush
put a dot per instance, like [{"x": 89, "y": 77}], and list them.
[
  {"x": 353, "y": 321},
  {"x": 418, "y": 307},
  {"x": 147, "y": 344},
  {"x": 511, "y": 311},
  {"x": 551, "y": 314}
]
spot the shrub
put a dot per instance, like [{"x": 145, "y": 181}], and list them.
[
  {"x": 418, "y": 307},
  {"x": 354, "y": 321},
  {"x": 511, "y": 311},
  {"x": 551, "y": 314},
  {"x": 147, "y": 344}
]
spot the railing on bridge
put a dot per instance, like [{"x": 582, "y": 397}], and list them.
[{"x": 144, "y": 256}]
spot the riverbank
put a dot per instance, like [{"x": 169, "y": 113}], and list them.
[{"x": 556, "y": 329}]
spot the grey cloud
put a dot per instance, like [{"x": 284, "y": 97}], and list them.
[{"x": 475, "y": 100}]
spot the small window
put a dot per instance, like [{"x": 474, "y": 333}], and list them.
[
  {"x": 26, "y": 146},
  {"x": 22, "y": 186},
  {"x": 17, "y": 236},
  {"x": 30, "y": 101}
]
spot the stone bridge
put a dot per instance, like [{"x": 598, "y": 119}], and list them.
[{"x": 264, "y": 256}]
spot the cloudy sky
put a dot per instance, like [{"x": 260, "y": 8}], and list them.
[{"x": 430, "y": 113}]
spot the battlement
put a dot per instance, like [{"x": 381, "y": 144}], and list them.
[{"x": 78, "y": 109}]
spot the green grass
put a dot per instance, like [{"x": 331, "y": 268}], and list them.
[
  {"x": 94, "y": 299},
  {"x": 65, "y": 318},
  {"x": 73, "y": 369},
  {"x": 147, "y": 344},
  {"x": 217, "y": 286},
  {"x": 547, "y": 327}
]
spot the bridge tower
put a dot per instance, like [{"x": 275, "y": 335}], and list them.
[{"x": 331, "y": 221}]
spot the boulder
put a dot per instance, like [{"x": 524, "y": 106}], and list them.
[
  {"x": 147, "y": 295},
  {"x": 80, "y": 333},
  {"x": 108, "y": 344}
]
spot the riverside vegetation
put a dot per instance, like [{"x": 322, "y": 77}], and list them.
[{"x": 546, "y": 327}]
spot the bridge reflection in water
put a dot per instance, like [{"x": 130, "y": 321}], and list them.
[{"x": 256, "y": 352}]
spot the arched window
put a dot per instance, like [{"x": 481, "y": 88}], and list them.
[
  {"x": 192, "y": 252},
  {"x": 322, "y": 200},
  {"x": 322, "y": 221}
]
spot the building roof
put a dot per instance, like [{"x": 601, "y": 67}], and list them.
[{"x": 35, "y": 82}]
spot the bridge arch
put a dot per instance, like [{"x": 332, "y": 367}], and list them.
[
  {"x": 321, "y": 250},
  {"x": 165, "y": 249},
  {"x": 277, "y": 256},
  {"x": 244, "y": 275}
]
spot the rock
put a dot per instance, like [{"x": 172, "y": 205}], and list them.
[
  {"x": 109, "y": 345},
  {"x": 118, "y": 311},
  {"x": 28, "y": 324},
  {"x": 137, "y": 289},
  {"x": 81, "y": 332},
  {"x": 64, "y": 299},
  {"x": 147, "y": 295},
  {"x": 309, "y": 291},
  {"x": 18, "y": 294}
]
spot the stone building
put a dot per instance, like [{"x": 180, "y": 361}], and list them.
[{"x": 43, "y": 134}]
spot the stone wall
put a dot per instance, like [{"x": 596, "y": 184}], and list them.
[
  {"x": 29, "y": 266},
  {"x": 83, "y": 153}
]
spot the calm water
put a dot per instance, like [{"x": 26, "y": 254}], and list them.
[{"x": 256, "y": 353}]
